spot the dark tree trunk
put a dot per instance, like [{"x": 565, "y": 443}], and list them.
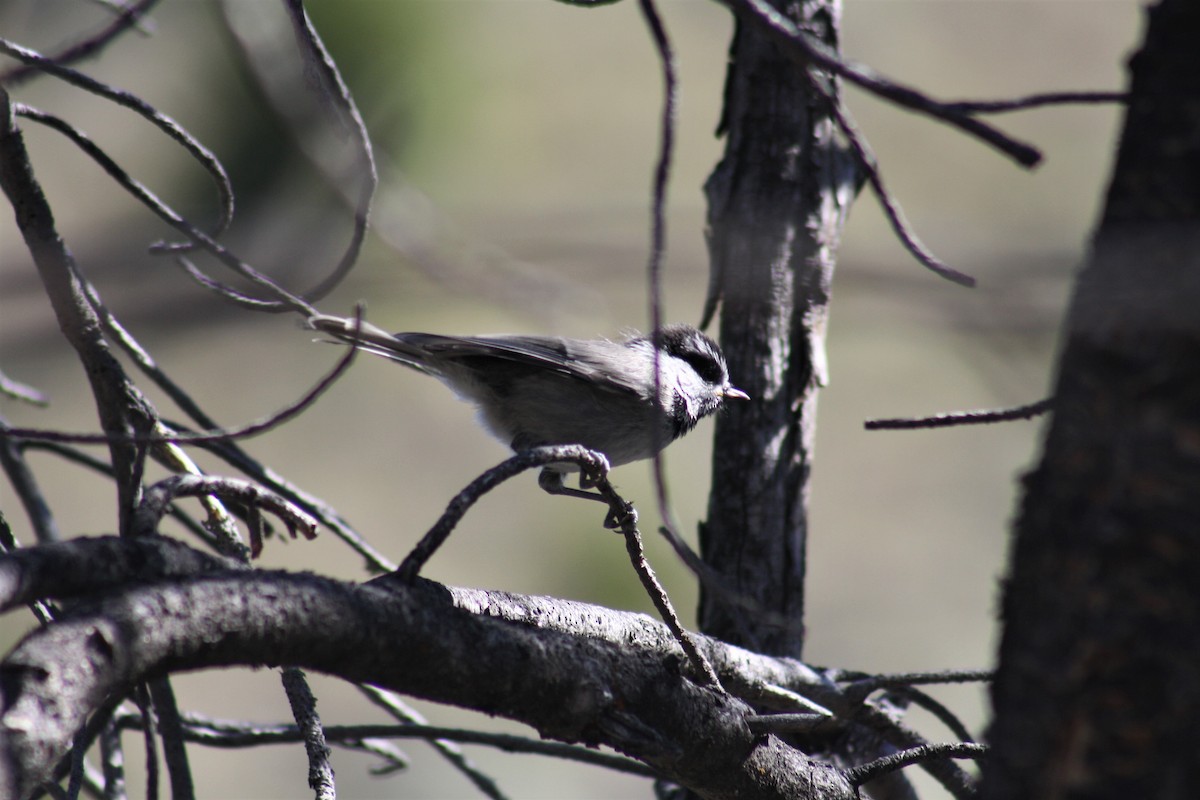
[
  {"x": 1098, "y": 690},
  {"x": 777, "y": 202}
]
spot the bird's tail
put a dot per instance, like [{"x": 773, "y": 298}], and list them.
[{"x": 367, "y": 337}]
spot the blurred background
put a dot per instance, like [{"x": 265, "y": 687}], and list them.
[{"x": 516, "y": 141}]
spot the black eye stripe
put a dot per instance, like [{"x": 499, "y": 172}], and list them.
[{"x": 705, "y": 365}]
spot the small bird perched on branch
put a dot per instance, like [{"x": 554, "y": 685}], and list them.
[{"x": 543, "y": 390}]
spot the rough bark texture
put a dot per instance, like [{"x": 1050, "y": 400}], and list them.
[
  {"x": 575, "y": 672},
  {"x": 777, "y": 202},
  {"x": 1098, "y": 691}
]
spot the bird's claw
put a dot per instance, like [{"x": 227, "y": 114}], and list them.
[{"x": 622, "y": 519}]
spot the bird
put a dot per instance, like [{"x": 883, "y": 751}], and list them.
[{"x": 544, "y": 390}]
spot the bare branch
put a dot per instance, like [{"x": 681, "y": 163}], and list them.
[
  {"x": 23, "y": 482},
  {"x": 19, "y": 391},
  {"x": 127, "y": 18},
  {"x": 206, "y": 437},
  {"x": 214, "y": 733},
  {"x": 159, "y": 497},
  {"x": 308, "y": 725},
  {"x": 882, "y": 766},
  {"x": 173, "y": 129},
  {"x": 286, "y": 302},
  {"x": 810, "y": 51},
  {"x": 958, "y": 418},
  {"x": 891, "y": 207},
  {"x": 397, "y": 708},
  {"x": 1036, "y": 101},
  {"x": 588, "y": 460},
  {"x": 338, "y": 99}
]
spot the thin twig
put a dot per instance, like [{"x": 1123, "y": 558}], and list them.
[
  {"x": 865, "y": 773},
  {"x": 703, "y": 670},
  {"x": 338, "y": 97},
  {"x": 959, "y": 418},
  {"x": 142, "y": 699},
  {"x": 1035, "y": 101},
  {"x": 308, "y": 724},
  {"x": 891, "y": 207},
  {"x": 25, "y": 484},
  {"x": 658, "y": 240},
  {"x": 159, "y": 497},
  {"x": 286, "y": 300},
  {"x": 870, "y": 683},
  {"x": 397, "y": 708},
  {"x": 20, "y": 391},
  {"x": 127, "y": 18},
  {"x": 810, "y": 51},
  {"x": 375, "y": 561},
  {"x": 87, "y": 461},
  {"x": 236, "y": 735},
  {"x": 173, "y": 129},
  {"x": 112, "y": 761},
  {"x": 170, "y": 726},
  {"x": 219, "y": 435},
  {"x": 938, "y": 709},
  {"x": 588, "y": 460}
]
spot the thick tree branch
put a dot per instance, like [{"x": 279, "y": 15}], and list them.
[{"x": 613, "y": 681}]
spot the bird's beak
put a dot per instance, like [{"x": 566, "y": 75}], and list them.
[{"x": 731, "y": 393}]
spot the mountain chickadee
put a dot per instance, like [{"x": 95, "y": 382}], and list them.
[{"x": 543, "y": 390}]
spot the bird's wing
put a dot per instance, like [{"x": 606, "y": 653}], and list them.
[
  {"x": 608, "y": 365},
  {"x": 604, "y": 364}
]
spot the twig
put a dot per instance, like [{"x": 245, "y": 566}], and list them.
[
  {"x": 219, "y": 435},
  {"x": 308, "y": 724},
  {"x": 90, "y": 462},
  {"x": 959, "y": 418},
  {"x": 881, "y": 766},
  {"x": 286, "y": 302},
  {"x": 891, "y": 207},
  {"x": 122, "y": 408},
  {"x": 159, "y": 497},
  {"x": 658, "y": 237},
  {"x": 658, "y": 243},
  {"x": 139, "y": 106},
  {"x": 870, "y": 683},
  {"x": 810, "y": 51},
  {"x": 790, "y": 723},
  {"x": 704, "y": 671},
  {"x": 170, "y": 727},
  {"x": 24, "y": 483},
  {"x": 142, "y": 699},
  {"x": 229, "y": 735},
  {"x": 537, "y": 457},
  {"x": 338, "y": 97},
  {"x": 397, "y": 708},
  {"x": 231, "y": 453},
  {"x": 19, "y": 391},
  {"x": 112, "y": 761},
  {"x": 937, "y": 709},
  {"x": 1035, "y": 101},
  {"x": 128, "y": 17}
]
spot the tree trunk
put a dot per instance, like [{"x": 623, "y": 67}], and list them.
[
  {"x": 1098, "y": 690},
  {"x": 777, "y": 202}
]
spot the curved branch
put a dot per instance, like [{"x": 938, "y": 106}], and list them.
[
  {"x": 811, "y": 51},
  {"x": 176, "y": 132}
]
